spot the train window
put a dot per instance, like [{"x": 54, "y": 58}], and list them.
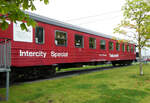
[
  {"x": 110, "y": 45},
  {"x": 39, "y": 35},
  {"x": 60, "y": 38},
  {"x": 117, "y": 46},
  {"x": 127, "y": 48},
  {"x": 102, "y": 44},
  {"x": 132, "y": 49},
  {"x": 92, "y": 43},
  {"x": 78, "y": 41},
  {"x": 135, "y": 48},
  {"x": 123, "y": 47}
]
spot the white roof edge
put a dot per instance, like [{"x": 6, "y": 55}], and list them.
[{"x": 65, "y": 25}]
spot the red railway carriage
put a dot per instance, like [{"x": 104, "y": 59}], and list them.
[{"x": 53, "y": 43}]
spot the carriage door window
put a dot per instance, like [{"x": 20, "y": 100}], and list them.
[
  {"x": 117, "y": 46},
  {"x": 103, "y": 44},
  {"x": 39, "y": 35},
  {"x": 78, "y": 41},
  {"x": 110, "y": 45},
  {"x": 132, "y": 50},
  {"x": 123, "y": 47},
  {"x": 60, "y": 38},
  {"x": 128, "y": 48},
  {"x": 92, "y": 43}
]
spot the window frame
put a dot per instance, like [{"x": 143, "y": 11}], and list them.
[
  {"x": 82, "y": 42},
  {"x": 94, "y": 43},
  {"x": 36, "y": 41},
  {"x": 66, "y": 38}
]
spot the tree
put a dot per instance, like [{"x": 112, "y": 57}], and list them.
[
  {"x": 136, "y": 22},
  {"x": 13, "y": 10}
]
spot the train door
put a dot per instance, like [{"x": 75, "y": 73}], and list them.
[
  {"x": 21, "y": 45},
  {"x": 39, "y": 43},
  {"x": 111, "y": 47},
  {"x": 103, "y": 50},
  {"x": 79, "y": 47}
]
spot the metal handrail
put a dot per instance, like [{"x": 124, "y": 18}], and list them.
[
  {"x": 5, "y": 60},
  {"x": 5, "y": 53}
]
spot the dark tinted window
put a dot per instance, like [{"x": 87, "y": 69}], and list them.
[
  {"x": 132, "y": 49},
  {"x": 92, "y": 43},
  {"x": 128, "y": 48},
  {"x": 39, "y": 35},
  {"x": 61, "y": 38},
  {"x": 111, "y": 46},
  {"x": 103, "y": 44},
  {"x": 78, "y": 41},
  {"x": 123, "y": 47},
  {"x": 117, "y": 46}
]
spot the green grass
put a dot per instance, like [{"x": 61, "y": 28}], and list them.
[{"x": 122, "y": 85}]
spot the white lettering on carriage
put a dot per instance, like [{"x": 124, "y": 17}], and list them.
[
  {"x": 32, "y": 54},
  {"x": 63, "y": 54},
  {"x": 114, "y": 55},
  {"x": 104, "y": 55}
]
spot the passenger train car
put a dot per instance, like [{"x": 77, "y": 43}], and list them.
[{"x": 38, "y": 51}]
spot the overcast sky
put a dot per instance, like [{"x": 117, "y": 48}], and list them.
[{"x": 97, "y": 15}]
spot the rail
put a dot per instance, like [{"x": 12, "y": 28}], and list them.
[
  {"x": 5, "y": 53},
  {"x": 5, "y": 60}
]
